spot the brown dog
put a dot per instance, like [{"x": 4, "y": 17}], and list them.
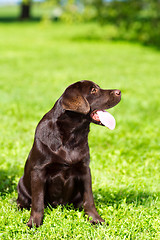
[{"x": 57, "y": 169}]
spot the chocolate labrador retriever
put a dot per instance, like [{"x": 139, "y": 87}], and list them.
[{"x": 57, "y": 169}]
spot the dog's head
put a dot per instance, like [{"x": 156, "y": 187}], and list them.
[{"x": 88, "y": 98}]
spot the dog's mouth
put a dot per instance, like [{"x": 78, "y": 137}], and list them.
[{"x": 104, "y": 118}]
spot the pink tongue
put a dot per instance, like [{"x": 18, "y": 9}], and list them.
[{"x": 107, "y": 119}]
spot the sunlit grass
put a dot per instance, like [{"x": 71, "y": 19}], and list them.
[{"x": 37, "y": 62}]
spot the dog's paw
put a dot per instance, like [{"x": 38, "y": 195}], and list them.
[
  {"x": 30, "y": 224},
  {"x": 34, "y": 222},
  {"x": 97, "y": 220}
]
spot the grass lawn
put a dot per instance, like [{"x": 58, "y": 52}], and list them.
[{"x": 37, "y": 62}]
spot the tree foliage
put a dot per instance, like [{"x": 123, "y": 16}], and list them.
[{"x": 135, "y": 20}]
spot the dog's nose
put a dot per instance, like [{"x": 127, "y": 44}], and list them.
[{"x": 117, "y": 93}]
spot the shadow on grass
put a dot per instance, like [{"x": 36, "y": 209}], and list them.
[
  {"x": 18, "y": 20},
  {"x": 107, "y": 197},
  {"x": 8, "y": 183},
  {"x": 103, "y": 36}
]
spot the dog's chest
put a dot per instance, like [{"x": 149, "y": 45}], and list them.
[{"x": 74, "y": 155}]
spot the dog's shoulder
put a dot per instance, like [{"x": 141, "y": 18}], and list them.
[{"x": 47, "y": 130}]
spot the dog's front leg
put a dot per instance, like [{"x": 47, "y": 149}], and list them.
[
  {"x": 88, "y": 201},
  {"x": 37, "y": 206}
]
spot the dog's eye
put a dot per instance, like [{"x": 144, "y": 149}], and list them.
[{"x": 94, "y": 90}]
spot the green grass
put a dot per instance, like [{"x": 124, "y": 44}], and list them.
[{"x": 37, "y": 62}]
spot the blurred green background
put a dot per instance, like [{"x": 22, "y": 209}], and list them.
[
  {"x": 44, "y": 47},
  {"x": 130, "y": 19}
]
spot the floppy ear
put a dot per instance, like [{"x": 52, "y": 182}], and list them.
[{"x": 73, "y": 101}]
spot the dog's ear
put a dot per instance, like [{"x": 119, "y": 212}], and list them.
[{"x": 72, "y": 100}]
